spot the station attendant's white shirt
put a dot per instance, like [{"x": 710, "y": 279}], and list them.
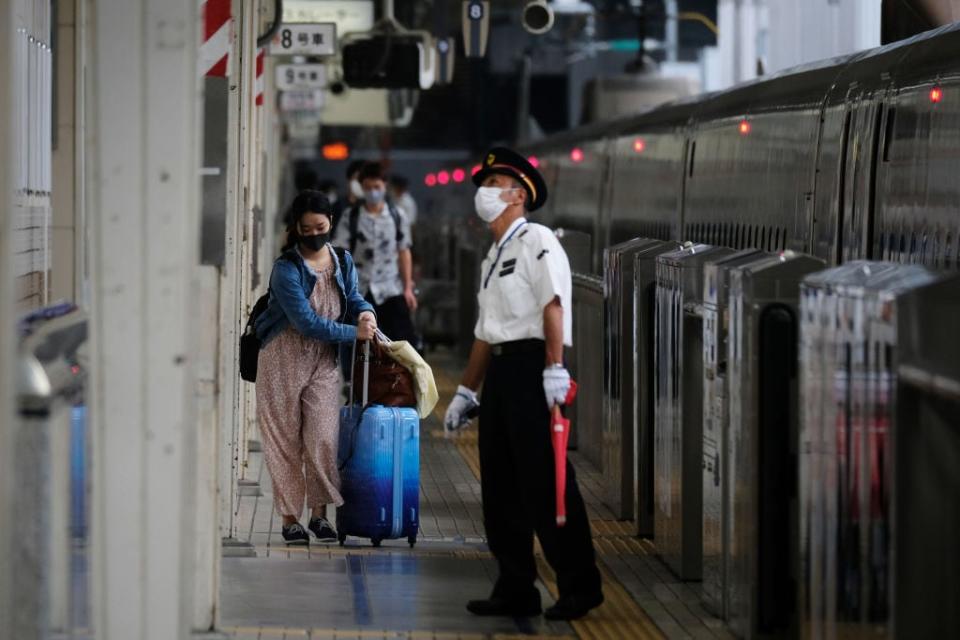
[{"x": 520, "y": 276}]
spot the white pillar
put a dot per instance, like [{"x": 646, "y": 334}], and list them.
[
  {"x": 230, "y": 282},
  {"x": 144, "y": 214},
  {"x": 8, "y": 416}
]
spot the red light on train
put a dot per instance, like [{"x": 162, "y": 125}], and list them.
[
  {"x": 576, "y": 155},
  {"x": 430, "y": 180},
  {"x": 443, "y": 177},
  {"x": 936, "y": 95},
  {"x": 475, "y": 170},
  {"x": 744, "y": 127},
  {"x": 534, "y": 161},
  {"x": 639, "y": 145},
  {"x": 459, "y": 175}
]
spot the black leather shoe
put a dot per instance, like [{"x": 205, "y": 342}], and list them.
[
  {"x": 573, "y": 607},
  {"x": 503, "y": 607}
]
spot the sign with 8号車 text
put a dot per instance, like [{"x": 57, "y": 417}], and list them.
[{"x": 305, "y": 39}]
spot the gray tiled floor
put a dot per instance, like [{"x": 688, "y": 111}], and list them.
[{"x": 327, "y": 591}]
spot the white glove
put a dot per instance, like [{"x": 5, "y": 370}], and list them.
[
  {"x": 556, "y": 384},
  {"x": 464, "y": 401}
]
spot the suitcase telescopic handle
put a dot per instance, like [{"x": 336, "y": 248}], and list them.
[{"x": 366, "y": 371}]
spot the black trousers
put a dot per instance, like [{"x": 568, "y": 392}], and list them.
[
  {"x": 518, "y": 485},
  {"x": 393, "y": 318}
]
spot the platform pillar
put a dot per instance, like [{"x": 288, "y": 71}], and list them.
[
  {"x": 8, "y": 416},
  {"x": 144, "y": 211}
]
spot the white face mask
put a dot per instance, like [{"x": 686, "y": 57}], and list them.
[
  {"x": 356, "y": 189},
  {"x": 488, "y": 203}
]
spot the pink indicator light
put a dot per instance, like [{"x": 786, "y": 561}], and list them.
[
  {"x": 443, "y": 177},
  {"x": 744, "y": 127},
  {"x": 475, "y": 170},
  {"x": 534, "y": 161},
  {"x": 576, "y": 155},
  {"x": 430, "y": 180},
  {"x": 936, "y": 95},
  {"x": 459, "y": 175},
  {"x": 639, "y": 145}
]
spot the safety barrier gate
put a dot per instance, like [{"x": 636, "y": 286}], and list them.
[
  {"x": 758, "y": 562},
  {"x": 853, "y": 321},
  {"x": 625, "y": 339},
  {"x": 678, "y": 430},
  {"x": 715, "y": 477}
]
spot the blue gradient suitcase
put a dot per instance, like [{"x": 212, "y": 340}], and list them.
[{"x": 379, "y": 459}]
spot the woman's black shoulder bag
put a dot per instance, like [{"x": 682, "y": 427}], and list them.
[{"x": 249, "y": 341}]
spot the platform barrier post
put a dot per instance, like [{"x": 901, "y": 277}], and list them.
[{"x": 144, "y": 187}]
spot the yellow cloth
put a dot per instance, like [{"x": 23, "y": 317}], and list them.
[{"x": 424, "y": 385}]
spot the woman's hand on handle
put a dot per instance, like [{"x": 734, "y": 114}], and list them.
[{"x": 366, "y": 326}]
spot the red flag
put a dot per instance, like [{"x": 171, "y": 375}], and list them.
[{"x": 560, "y": 430}]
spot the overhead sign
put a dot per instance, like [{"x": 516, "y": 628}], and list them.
[
  {"x": 305, "y": 39},
  {"x": 301, "y": 76},
  {"x": 476, "y": 27},
  {"x": 301, "y": 100},
  {"x": 350, "y": 15}
]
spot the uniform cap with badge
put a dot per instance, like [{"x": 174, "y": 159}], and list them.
[{"x": 503, "y": 161}]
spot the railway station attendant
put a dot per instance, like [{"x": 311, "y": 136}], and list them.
[
  {"x": 313, "y": 304},
  {"x": 525, "y": 319}
]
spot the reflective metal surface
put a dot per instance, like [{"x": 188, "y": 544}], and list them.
[
  {"x": 619, "y": 444},
  {"x": 642, "y": 370},
  {"x": 926, "y": 477},
  {"x": 715, "y": 476},
  {"x": 586, "y": 363},
  {"x": 849, "y": 350},
  {"x": 678, "y": 430},
  {"x": 759, "y": 500}
]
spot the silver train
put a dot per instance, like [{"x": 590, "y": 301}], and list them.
[
  {"x": 852, "y": 158},
  {"x": 822, "y": 197}
]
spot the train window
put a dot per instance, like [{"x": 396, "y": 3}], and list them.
[
  {"x": 764, "y": 238},
  {"x": 888, "y": 133},
  {"x": 946, "y": 251},
  {"x": 784, "y": 238},
  {"x": 923, "y": 249},
  {"x": 913, "y": 248},
  {"x": 776, "y": 239}
]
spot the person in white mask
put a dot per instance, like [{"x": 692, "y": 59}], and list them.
[
  {"x": 525, "y": 319},
  {"x": 377, "y": 233}
]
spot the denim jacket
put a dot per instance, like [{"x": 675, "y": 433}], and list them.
[{"x": 292, "y": 283}]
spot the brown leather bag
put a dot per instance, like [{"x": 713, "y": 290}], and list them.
[{"x": 391, "y": 384}]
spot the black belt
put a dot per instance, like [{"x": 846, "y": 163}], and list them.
[{"x": 518, "y": 346}]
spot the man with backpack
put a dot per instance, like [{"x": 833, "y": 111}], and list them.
[{"x": 377, "y": 234}]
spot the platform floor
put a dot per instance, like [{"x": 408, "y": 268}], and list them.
[{"x": 357, "y": 591}]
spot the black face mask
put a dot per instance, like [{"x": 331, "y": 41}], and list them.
[{"x": 314, "y": 243}]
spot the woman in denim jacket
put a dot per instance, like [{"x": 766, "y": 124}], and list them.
[{"x": 313, "y": 305}]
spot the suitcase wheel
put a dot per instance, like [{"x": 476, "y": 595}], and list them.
[{"x": 375, "y": 541}]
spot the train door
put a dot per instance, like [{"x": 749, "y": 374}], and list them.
[{"x": 862, "y": 142}]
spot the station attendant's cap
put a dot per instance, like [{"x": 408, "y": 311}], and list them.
[{"x": 510, "y": 163}]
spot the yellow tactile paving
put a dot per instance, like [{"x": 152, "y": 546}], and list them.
[{"x": 262, "y": 633}]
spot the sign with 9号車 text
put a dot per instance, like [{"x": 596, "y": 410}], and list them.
[{"x": 301, "y": 76}]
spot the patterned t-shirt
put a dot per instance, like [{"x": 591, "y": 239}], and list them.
[{"x": 376, "y": 251}]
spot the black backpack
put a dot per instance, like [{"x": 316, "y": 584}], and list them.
[
  {"x": 353, "y": 220},
  {"x": 250, "y": 341}
]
